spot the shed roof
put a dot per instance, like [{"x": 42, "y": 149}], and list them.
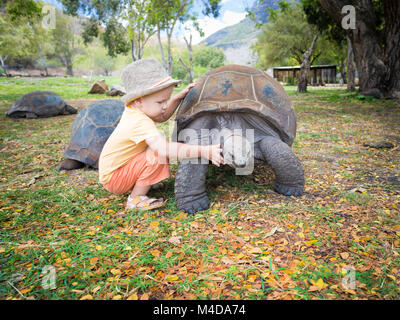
[{"x": 323, "y": 66}]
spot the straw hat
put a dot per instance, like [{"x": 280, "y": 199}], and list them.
[{"x": 144, "y": 77}]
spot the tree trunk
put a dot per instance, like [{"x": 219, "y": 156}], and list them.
[
  {"x": 133, "y": 50},
  {"x": 2, "y": 60},
  {"x": 351, "y": 86},
  {"x": 190, "y": 49},
  {"x": 343, "y": 71},
  {"x": 392, "y": 47},
  {"x": 376, "y": 52},
  {"x": 169, "y": 57},
  {"x": 305, "y": 67},
  {"x": 43, "y": 60},
  {"x": 161, "y": 47},
  {"x": 68, "y": 64}
]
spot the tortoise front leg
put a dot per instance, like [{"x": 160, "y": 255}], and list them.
[
  {"x": 190, "y": 187},
  {"x": 288, "y": 170}
]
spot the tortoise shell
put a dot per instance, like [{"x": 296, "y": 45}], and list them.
[
  {"x": 41, "y": 104},
  {"x": 236, "y": 88},
  {"x": 91, "y": 129}
]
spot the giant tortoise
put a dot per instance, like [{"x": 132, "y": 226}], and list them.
[
  {"x": 89, "y": 132},
  {"x": 39, "y": 104},
  {"x": 251, "y": 116}
]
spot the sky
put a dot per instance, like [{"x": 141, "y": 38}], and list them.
[{"x": 232, "y": 12}]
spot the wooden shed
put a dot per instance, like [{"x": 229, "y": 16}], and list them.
[{"x": 318, "y": 74}]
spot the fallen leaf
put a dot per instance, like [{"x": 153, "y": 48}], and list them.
[
  {"x": 310, "y": 242},
  {"x": 255, "y": 250},
  {"x": 94, "y": 290},
  {"x": 252, "y": 278},
  {"x": 144, "y": 296},
  {"x": 273, "y": 230},
  {"x": 171, "y": 278},
  {"x": 344, "y": 255},
  {"x": 115, "y": 271},
  {"x": 133, "y": 297},
  {"x": 93, "y": 260},
  {"x": 86, "y": 297},
  {"x": 175, "y": 240},
  {"x": 156, "y": 253},
  {"x": 227, "y": 260},
  {"x": 319, "y": 283}
]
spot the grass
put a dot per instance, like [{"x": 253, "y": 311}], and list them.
[{"x": 67, "y": 220}]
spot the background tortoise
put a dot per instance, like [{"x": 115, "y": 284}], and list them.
[
  {"x": 89, "y": 132},
  {"x": 39, "y": 104},
  {"x": 228, "y": 101}
]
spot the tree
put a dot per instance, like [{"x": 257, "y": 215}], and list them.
[
  {"x": 375, "y": 41},
  {"x": 316, "y": 15},
  {"x": 166, "y": 15},
  {"x": 94, "y": 57},
  {"x": 288, "y": 35},
  {"x": 190, "y": 51},
  {"x": 305, "y": 66},
  {"x": 16, "y": 9},
  {"x": 208, "y": 57},
  {"x": 117, "y": 37},
  {"x": 17, "y": 38},
  {"x": 65, "y": 40},
  {"x": 15, "y": 41}
]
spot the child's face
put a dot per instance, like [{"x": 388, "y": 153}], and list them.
[{"x": 154, "y": 104}]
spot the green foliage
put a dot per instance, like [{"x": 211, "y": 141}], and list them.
[
  {"x": 16, "y": 38},
  {"x": 94, "y": 57},
  {"x": 284, "y": 37},
  {"x": 115, "y": 38},
  {"x": 288, "y": 35},
  {"x": 66, "y": 40},
  {"x": 317, "y": 16},
  {"x": 90, "y": 31},
  {"x": 16, "y": 9},
  {"x": 208, "y": 57}
]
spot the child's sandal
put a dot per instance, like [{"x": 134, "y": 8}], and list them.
[
  {"x": 157, "y": 186},
  {"x": 144, "y": 203}
]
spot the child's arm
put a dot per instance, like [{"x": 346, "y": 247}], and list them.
[
  {"x": 174, "y": 103},
  {"x": 176, "y": 150}
]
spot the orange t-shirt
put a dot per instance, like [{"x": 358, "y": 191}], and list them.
[{"x": 126, "y": 141}]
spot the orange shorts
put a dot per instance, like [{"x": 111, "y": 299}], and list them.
[{"x": 143, "y": 169}]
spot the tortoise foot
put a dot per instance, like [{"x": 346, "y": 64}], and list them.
[
  {"x": 191, "y": 205},
  {"x": 69, "y": 164},
  {"x": 293, "y": 190}
]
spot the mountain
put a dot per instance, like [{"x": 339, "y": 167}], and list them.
[{"x": 236, "y": 40}]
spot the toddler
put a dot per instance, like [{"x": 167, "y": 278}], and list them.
[{"x": 133, "y": 158}]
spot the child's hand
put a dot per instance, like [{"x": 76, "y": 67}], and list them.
[
  {"x": 184, "y": 92},
  {"x": 213, "y": 153}
]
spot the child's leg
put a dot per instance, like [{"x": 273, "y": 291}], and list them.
[
  {"x": 138, "y": 175},
  {"x": 139, "y": 190}
]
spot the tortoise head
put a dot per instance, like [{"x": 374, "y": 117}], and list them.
[{"x": 237, "y": 150}]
